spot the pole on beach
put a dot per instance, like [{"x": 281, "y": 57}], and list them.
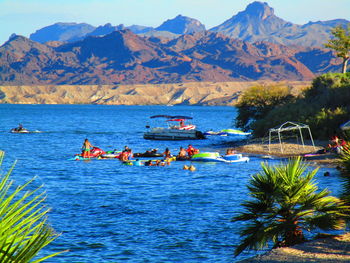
[
  {"x": 312, "y": 140},
  {"x": 279, "y": 138},
  {"x": 301, "y": 137}
]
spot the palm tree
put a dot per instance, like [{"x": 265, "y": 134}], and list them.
[
  {"x": 23, "y": 222},
  {"x": 285, "y": 202}
]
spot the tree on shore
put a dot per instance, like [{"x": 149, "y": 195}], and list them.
[
  {"x": 341, "y": 44},
  {"x": 285, "y": 202},
  {"x": 24, "y": 231}
]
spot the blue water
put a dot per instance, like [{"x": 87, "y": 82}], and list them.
[{"x": 109, "y": 212}]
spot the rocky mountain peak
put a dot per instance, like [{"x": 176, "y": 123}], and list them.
[
  {"x": 259, "y": 9},
  {"x": 182, "y": 25}
]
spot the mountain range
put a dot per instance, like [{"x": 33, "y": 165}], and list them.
[
  {"x": 256, "y": 23},
  {"x": 81, "y": 54}
]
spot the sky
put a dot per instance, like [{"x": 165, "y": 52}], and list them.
[{"x": 24, "y": 17}]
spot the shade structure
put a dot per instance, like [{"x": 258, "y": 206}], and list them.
[
  {"x": 345, "y": 126},
  {"x": 290, "y": 126}
]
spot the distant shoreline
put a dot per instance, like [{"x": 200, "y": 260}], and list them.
[{"x": 189, "y": 93}]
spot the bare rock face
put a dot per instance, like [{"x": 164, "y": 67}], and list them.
[
  {"x": 259, "y": 23},
  {"x": 182, "y": 25},
  {"x": 123, "y": 57}
]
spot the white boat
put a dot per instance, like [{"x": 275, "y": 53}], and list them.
[{"x": 179, "y": 131}]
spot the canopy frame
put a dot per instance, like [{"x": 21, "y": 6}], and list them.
[{"x": 290, "y": 126}]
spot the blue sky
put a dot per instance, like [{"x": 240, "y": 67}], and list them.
[{"x": 24, "y": 17}]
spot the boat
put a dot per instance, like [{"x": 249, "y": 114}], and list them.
[
  {"x": 219, "y": 133},
  {"x": 237, "y": 157},
  {"x": 235, "y": 132},
  {"x": 227, "y": 132},
  {"x": 94, "y": 153},
  {"x": 173, "y": 132},
  {"x": 216, "y": 157},
  {"x": 149, "y": 153},
  {"x": 17, "y": 130}
]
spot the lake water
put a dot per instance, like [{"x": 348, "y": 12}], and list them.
[{"x": 109, "y": 212}]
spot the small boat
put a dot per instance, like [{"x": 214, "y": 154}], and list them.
[
  {"x": 180, "y": 131},
  {"x": 237, "y": 157},
  {"x": 216, "y": 157},
  {"x": 210, "y": 133},
  {"x": 16, "y": 130},
  {"x": 235, "y": 132},
  {"x": 94, "y": 153},
  {"x": 151, "y": 153}
]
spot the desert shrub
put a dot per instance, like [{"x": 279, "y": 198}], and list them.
[
  {"x": 259, "y": 100},
  {"x": 324, "y": 107}
]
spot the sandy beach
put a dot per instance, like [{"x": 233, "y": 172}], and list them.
[
  {"x": 328, "y": 249},
  {"x": 287, "y": 150}
]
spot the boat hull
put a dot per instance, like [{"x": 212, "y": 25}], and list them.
[{"x": 173, "y": 134}]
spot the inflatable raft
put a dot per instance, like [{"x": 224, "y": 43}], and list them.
[{"x": 216, "y": 157}]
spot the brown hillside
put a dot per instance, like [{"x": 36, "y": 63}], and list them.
[{"x": 201, "y": 93}]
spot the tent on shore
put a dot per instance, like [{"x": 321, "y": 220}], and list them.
[{"x": 290, "y": 126}]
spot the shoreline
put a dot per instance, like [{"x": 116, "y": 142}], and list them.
[
  {"x": 326, "y": 248},
  {"x": 287, "y": 150}
]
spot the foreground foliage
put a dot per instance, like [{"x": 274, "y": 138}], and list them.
[
  {"x": 345, "y": 159},
  {"x": 285, "y": 202},
  {"x": 23, "y": 222},
  {"x": 324, "y": 107}
]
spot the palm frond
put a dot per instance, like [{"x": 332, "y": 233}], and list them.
[{"x": 23, "y": 225}]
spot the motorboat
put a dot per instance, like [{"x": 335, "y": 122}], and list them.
[
  {"x": 235, "y": 132},
  {"x": 174, "y": 132},
  {"x": 19, "y": 130},
  {"x": 216, "y": 157}
]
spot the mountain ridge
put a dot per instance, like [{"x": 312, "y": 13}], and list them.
[
  {"x": 130, "y": 59},
  {"x": 257, "y": 22}
]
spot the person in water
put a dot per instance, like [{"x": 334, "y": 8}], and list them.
[
  {"x": 182, "y": 153},
  {"x": 86, "y": 148},
  {"x": 167, "y": 153},
  {"x": 191, "y": 150}
]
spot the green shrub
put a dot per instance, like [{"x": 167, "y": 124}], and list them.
[
  {"x": 258, "y": 101},
  {"x": 324, "y": 107}
]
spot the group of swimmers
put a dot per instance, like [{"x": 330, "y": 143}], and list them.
[
  {"x": 126, "y": 155},
  {"x": 187, "y": 153}
]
